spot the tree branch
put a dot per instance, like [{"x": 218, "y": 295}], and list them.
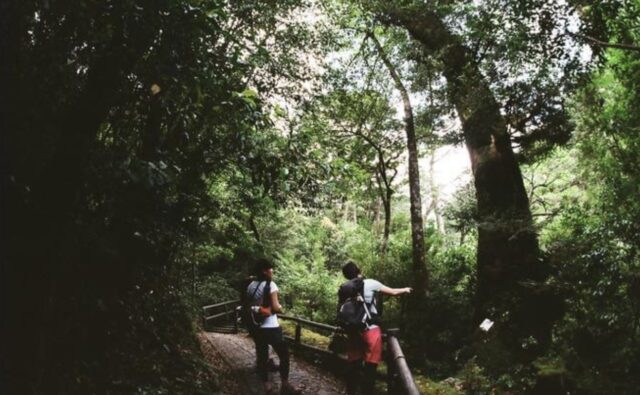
[{"x": 600, "y": 43}]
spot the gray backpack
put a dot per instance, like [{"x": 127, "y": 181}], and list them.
[
  {"x": 353, "y": 313},
  {"x": 250, "y": 316}
]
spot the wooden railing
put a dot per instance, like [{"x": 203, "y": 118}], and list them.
[
  {"x": 224, "y": 312},
  {"x": 297, "y": 339},
  {"x": 399, "y": 378}
]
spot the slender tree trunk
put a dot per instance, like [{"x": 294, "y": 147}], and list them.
[
  {"x": 417, "y": 229},
  {"x": 508, "y": 253},
  {"x": 433, "y": 190},
  {"x": 254, "y": 228},
  {"x": 385, "y": 193},
  {"x": 386, "y": 203},
  {"x": 345, "y": 212},
  {"x": 376, "y": 214}
]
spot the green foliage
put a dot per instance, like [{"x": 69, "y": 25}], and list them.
[
  {"x": 593, "y": 243},
  {"x": 474, "y": 378},
  {"x": 137, "y": 133},
  {"x": 598, "y": 336},
  {"x": 445, "y": 322},
  {"x": 310, "y": 252},
  {"x": 462, "y": 213}
]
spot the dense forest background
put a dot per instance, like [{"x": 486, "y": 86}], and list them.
[{"x": 151, "y": 149}]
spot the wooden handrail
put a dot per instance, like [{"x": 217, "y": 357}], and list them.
[
  {"x": 221, "y": 304},
  {"x": 397, "y": 367},
  {"x": 312, "y": 324},
  {"x": 219, "y": 315},
  {"x": 297, "y": 339},
  {"x": 399, "y": 377},
  {"x": 207, "y": 316}
]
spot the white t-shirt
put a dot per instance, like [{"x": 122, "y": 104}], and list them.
[
  {"x": 272, "y": 320},
  {"x": 370, "y": 287}
]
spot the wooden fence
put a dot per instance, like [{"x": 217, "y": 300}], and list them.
[
  {"x": 399, "y": 378},
  {"x": 221, "y": 317}
]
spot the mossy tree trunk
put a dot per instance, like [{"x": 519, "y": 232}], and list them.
[{"x": 509, "y": 270}]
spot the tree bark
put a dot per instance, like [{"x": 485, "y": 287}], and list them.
[
  {"x": 421, "y": 276},
  {"x": 254, "y": 227},
  {"x": 376, "y": 214}
]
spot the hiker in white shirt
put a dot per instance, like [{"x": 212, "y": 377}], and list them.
[{"x": 269, "y": 333}]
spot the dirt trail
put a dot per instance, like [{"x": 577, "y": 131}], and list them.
[{"x": 236, "y": 352}]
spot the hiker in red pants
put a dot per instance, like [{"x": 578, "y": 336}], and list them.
[{"x": 364, "y": 345}]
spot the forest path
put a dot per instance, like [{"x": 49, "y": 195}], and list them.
[{"x": 238, "y": 353}]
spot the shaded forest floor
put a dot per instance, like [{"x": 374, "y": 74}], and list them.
[
  {"x": 227, "y": 382},
  {"x": 233, "y": 357}
]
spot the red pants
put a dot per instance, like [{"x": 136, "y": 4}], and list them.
[{"x": 366, "y": 345}]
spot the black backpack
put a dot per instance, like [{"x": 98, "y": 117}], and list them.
[
  {"x": 250, "y": 319},
  {"x": 353, "y": 313}
]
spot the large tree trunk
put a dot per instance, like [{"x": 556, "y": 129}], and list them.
[
  {"x": 508, "y": 253},
  {"x": 421, "y": 277}
]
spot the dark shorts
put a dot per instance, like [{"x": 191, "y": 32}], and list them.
[{"x": 265, "y": 337}]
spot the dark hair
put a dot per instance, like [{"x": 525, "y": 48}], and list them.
[
  {"x": 350, "y": 270},
  {"x": 261, "y": 265}
]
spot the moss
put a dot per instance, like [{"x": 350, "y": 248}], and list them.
[
  {"x": 307, "y": 335},
  {"x": 550, "y": 366},
  {"x": 430, "y": 387}
]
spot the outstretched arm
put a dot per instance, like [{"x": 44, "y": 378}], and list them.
[{"x": 395, "y": 291}]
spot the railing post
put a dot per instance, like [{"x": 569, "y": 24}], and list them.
[
  {"x": 399, "y": 363},
  {"x": 392, "y": 373},
  {"x": 298, "y": 335},
  {"x": 236, "y": 318}
]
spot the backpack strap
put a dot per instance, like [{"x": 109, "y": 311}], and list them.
[
  {"x": 372, "y": 317},
  {"x": 266, "y": 296},
  {"x": 255, "y": 291}
]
